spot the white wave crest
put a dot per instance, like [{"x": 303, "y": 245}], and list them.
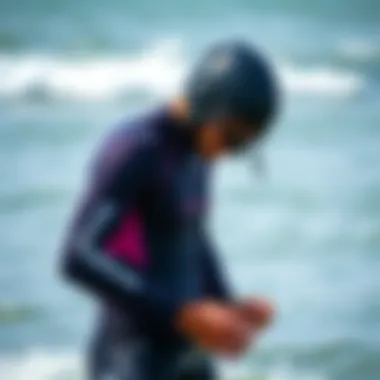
[
  {"x": 41, "y": 364},
  {"x": 359, "y": 49},
  {"x": 157, "y": 72},
  {"x": 322, "y": 81}
]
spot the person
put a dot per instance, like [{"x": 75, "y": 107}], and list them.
[{"x": 138, "y": 241}]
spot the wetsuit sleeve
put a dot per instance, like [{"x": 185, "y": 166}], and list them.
[
  {"x": 111, "y": 194},
  {"x": 215, "y": 278}
]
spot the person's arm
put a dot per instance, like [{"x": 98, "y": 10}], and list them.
[
  {"x": 215, "y": 279},
  {"x": 207, "y": 324},
  {"x": 216, "y": 282},
  {"x": 257, "y": 311},
  {"x": 110, "y": 195}
]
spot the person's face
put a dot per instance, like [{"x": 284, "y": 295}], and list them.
[{"x": 223, "y": 136}]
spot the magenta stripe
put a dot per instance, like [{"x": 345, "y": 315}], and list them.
[{"x": 128, "y": 241}]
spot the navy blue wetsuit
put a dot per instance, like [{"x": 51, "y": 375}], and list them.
[{"x": 138, "y": 243}]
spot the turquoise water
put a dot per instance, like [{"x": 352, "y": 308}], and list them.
[{"x": 307, "y": 235}]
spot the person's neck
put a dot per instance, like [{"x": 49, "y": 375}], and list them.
[{"x": 178, "y": 111}]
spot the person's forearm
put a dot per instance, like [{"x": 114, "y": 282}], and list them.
[
  {"x": 121, "y": 286},
  {"x": 216, "y": 280}
]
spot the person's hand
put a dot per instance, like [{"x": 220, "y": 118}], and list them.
[
  {"x": 258, "y": 312},
  {"x": 215, "y": 327}
]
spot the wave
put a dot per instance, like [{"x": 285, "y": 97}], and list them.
[
  {"x": 323, "y": 81},
  {"x": 42, "y": 364},
  {"x": 12, "y": 314},
  {"x": 158, "y": 71},
  {"x": 54, "y": 365},
  {"x": 359, "y": 49}
]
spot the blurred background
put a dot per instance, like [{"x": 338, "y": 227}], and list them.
[{"x": 307, "y": 235}]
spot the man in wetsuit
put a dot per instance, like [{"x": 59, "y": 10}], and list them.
[{"x": 138, "y": 241}]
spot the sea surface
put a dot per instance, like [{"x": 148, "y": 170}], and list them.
[{"x": 306, "y": 234}]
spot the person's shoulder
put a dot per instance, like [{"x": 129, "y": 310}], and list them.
[
  {"x": 135, "y": 132},
  {"x": 133, "y": 135}
]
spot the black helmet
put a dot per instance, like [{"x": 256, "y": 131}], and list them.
[{"x": 233, "y": 79}]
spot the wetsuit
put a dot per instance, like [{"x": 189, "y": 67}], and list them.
[{"x": 138, "y": 243}]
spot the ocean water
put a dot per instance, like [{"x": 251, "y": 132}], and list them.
[{"x": 306, "y": 235}]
